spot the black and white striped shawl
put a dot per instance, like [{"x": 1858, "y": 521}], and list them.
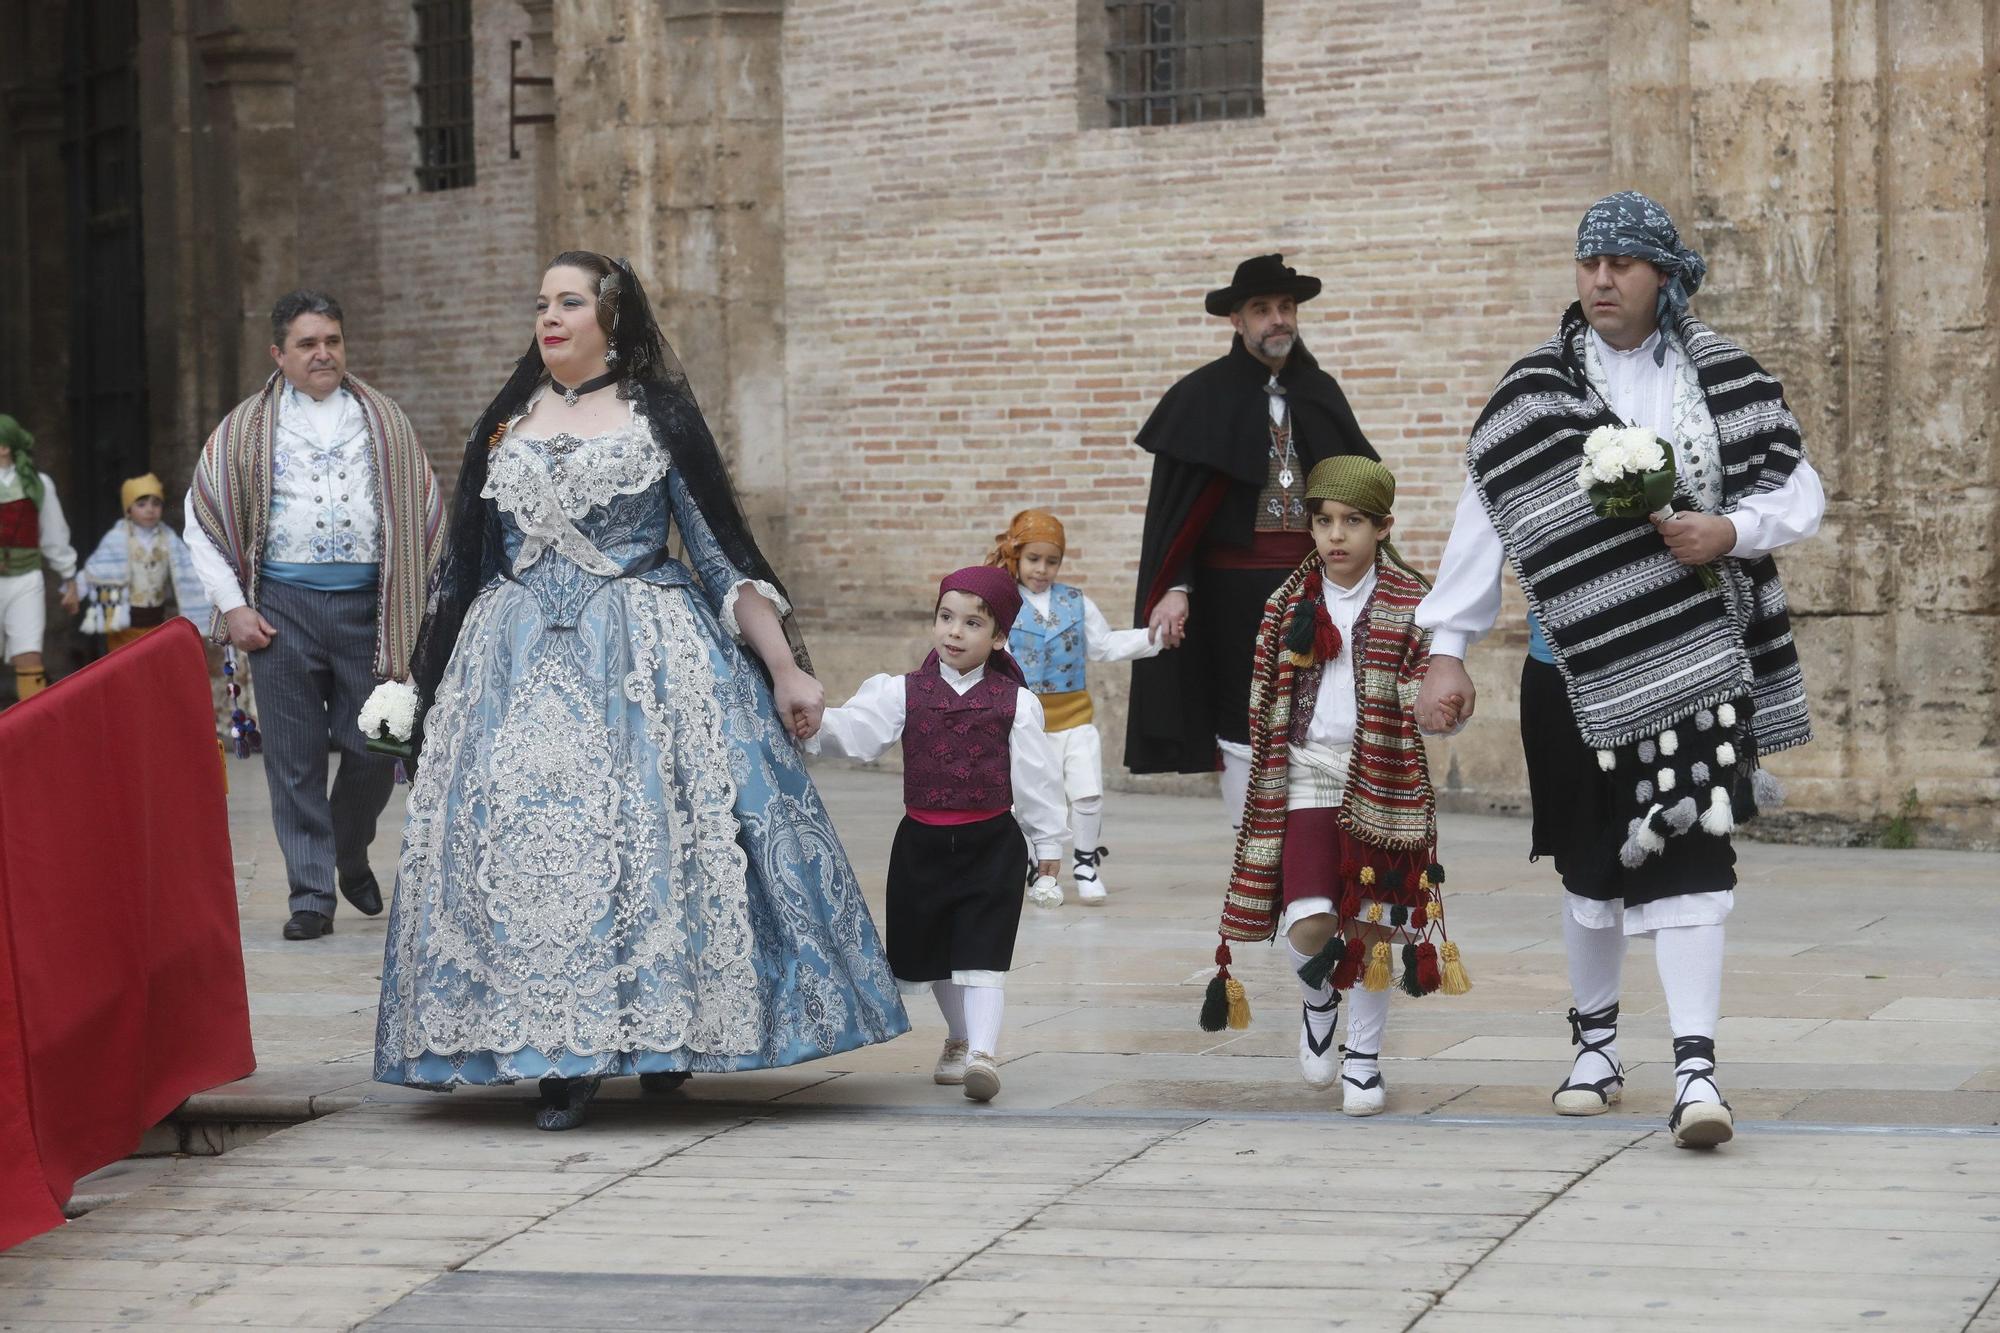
[{"x": 1641, "y": 644}]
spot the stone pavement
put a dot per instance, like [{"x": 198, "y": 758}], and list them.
[{"x": 1136, "y": 1173}]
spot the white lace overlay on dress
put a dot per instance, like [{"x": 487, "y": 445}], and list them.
[
  {"x": 540, "y": 927},
  {"x": 557, "y": 840},
  {"x": 771, "y": 594},
  {"x": 548, "y": 495}
]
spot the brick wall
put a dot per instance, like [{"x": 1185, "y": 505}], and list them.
[
  {"x": 438, "y": 287},
  {"x": 984, "y": 301}
]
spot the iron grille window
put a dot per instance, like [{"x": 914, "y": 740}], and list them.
[
  {"x": 1174, "y": 62},
  {"x": 444, "y": 94}
]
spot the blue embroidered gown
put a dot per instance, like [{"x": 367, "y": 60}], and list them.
[{"x": 615, "y": 862}]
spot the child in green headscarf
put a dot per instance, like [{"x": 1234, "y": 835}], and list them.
[
  {"x": 33, "y": 534},
  {"x": 1338, "y": 848}
]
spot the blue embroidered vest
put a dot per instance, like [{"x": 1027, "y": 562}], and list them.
[{"x": 1051, "y": 651}]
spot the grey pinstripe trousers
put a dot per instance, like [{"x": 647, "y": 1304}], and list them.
[{"x": 311, "y": 683}]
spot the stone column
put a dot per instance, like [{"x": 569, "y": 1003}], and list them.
[
  {"x": 1835, "y": 160},
  {"x": 538, "y": 57},
  {"x": 670, "y": 151},
  {"x": 35, "y": 291},
  {"x": 246, "y": 172},
  {"x": 1647, "y": 84}
]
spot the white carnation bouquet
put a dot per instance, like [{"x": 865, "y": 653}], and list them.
[
  {"x": 389, "y": 718},
  {"x": 1628, "y": 472}
]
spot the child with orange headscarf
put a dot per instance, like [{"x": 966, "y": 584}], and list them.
[{"x": 1058, "y": 631}]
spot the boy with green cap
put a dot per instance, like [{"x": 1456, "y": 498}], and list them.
[
  {"x": 1338, "y": 848},
  {"x": 33, "y": 534}
]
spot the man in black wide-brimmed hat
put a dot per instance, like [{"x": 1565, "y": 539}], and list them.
[{"x": 1226, "y": 522}]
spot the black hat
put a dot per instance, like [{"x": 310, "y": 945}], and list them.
[{"x": 1266, "y": 275}]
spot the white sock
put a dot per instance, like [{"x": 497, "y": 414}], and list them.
[
  {"x": 1690, "y": 962},
  {"x": 1235, "y": 786},
  {"x": 1320, "y": 1024},
  {"x": 1367, "y": 1016},
  {"x": 1596, "y": 965},
  {"x": 1086, "y": 822},
  {"x": 983, "y": 1007},
  {"x": 951, "y": 1003}
]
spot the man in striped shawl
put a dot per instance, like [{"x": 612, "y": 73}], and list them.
[
  {"x": 314, "y": 523},
  {"x": 1650, "y": 692}
]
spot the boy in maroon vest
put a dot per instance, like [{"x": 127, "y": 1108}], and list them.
[{"x": 974, "y": 757}]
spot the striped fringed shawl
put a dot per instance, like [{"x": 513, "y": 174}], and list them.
[
  {"x": 1388, "y": 802},
  {"x": 232, "y": 502},
  {"x": 1642, "y": 645}
]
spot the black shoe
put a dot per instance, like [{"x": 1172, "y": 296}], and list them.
[
  {"x": 308, "y": 926},
  {"x": 563, "y": 1102},
  {"x": 363, "y": 892},
  {"x": 670, "y": 1081}
]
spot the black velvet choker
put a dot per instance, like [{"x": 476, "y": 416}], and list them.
[{"x": 588, "y": 386}]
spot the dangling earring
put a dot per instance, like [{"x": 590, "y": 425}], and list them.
[{"x": 611, "y": 356}]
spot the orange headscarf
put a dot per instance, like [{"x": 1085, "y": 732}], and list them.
[{"x": 1028, "y": 526}]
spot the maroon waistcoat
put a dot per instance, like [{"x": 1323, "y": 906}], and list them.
[{"x": 955, "y": 746}]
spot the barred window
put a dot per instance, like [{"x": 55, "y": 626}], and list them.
[
  {"x": 444, "y": 94},
  {"x": 1175, "y": 62}
]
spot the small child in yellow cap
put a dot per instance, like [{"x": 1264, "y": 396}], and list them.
[{"x": 138, "y": 569}]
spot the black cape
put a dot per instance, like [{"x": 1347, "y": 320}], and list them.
[{"x": 1210, "y": 439}]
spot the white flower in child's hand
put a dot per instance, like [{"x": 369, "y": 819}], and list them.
[
  {"x": 1045, "y": 892},
  {"x": 392, "y": 707}
]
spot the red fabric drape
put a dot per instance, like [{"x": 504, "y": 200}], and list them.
[{"x": 121, "y": 964}]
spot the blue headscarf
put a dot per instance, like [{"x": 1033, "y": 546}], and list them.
[{"x": 1628, "y": 223}]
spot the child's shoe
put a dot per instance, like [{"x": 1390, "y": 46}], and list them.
[
  {"x": 1318, "y": 1060},
  {"x": 1089, "y": 878},
  {"x": 1362, "y": 1091},
  {"x": 981, "y": 1077},
  {"x": 950, "y": 1069}
]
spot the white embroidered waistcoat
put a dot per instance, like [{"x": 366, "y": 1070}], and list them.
[{"x": 323, "y": 488}]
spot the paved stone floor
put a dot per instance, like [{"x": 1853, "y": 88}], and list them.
[{"x": 1136, "y": 1173}]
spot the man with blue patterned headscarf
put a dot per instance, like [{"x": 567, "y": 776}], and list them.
[{"x": 1649, "y": 693}]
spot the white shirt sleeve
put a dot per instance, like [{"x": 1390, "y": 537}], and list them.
[
  {"x": 59, "y": 555},
  {"x": 1039, "y": 804},
  {"x": 866, "y": 725},
  {"x": 1772, "y": 520},
  {"x": 217, "y": 575},
  {"x": 1464, "y": 603},
  {"x": 1105, "y": 644}
]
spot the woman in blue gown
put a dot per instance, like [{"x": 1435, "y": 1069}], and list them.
[{"x": 615, "y": 862}]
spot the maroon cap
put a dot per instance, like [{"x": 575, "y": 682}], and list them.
[{"x": 991, "y": 585}]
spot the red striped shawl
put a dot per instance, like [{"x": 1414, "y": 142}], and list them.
[{"x": 1389, "y": 802}]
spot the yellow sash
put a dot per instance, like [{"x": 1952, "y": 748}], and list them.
[{"x": 1060, "y": 712}]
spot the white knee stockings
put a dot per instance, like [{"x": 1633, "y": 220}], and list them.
[
  {"x": 951, "y": 1003},
  {"x": 984, "y": 1006},
  {"x": 1690, "y": 964},
  {"x": 1690, "y": 960},
  {"x": 1086, "y": 822}
]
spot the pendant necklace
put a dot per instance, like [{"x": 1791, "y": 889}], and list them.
[
  {"x": 1277, "y": 392},
  {"x": 588, "y": 386}
]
